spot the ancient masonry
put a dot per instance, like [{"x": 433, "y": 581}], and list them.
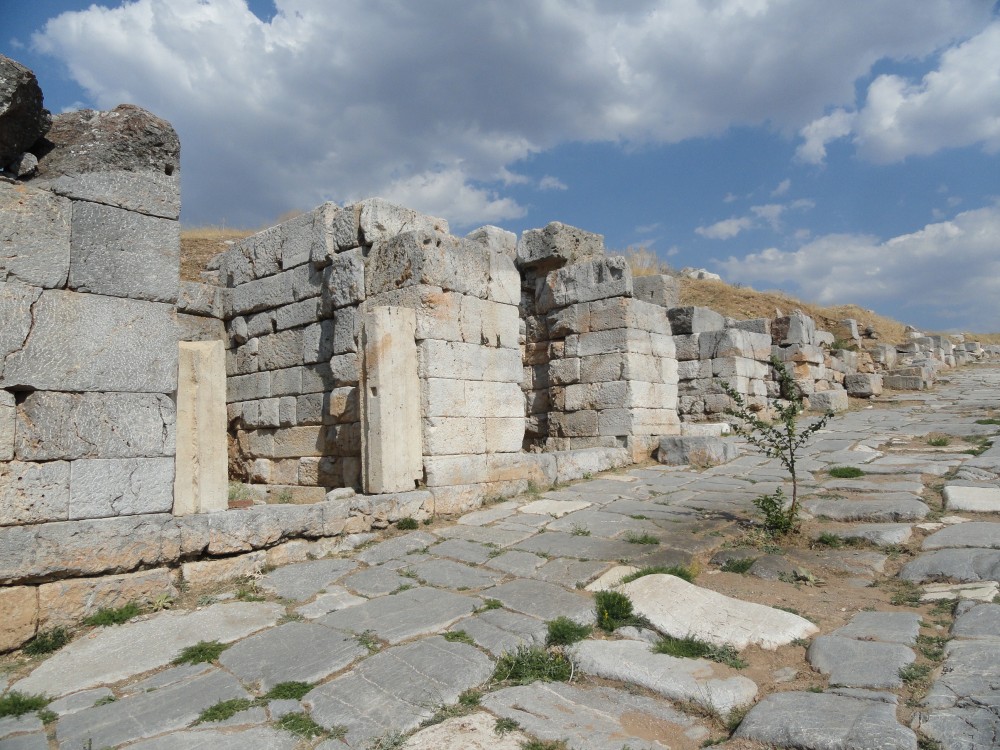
[{"x": 351, "y": 367}]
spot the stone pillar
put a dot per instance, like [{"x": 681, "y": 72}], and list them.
[
  {"x": 391, "y": 442},
  {"x": 201, "y": 480}
]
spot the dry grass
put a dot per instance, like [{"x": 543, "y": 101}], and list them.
[{"x": 200, "y": 244}]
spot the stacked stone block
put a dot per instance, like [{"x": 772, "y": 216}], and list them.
[
  {"x": 89, "y": 260},
  {"x": 818, "y": 373}
]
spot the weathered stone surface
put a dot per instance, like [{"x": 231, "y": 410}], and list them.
[
  {"x": 204, "y": 300},
  {"x": 876, "y": 533},
  {"x": 453, "y": 575},
  {"x": 147, "y": 714},
  {"x": 344, "y": 281},
  {"x": 863, "y": 385},
  {"x": 474, "y": 732},
  {"x": 376, "y": 581},
  {"x": 54, "y": 426},
  {"x": 79, "y": 701},
  {"x": 585, "y": 281},
  {"x": 965, "y": 565},
  {"x": 595, "y": 719},
  {"x": 34, "y": 493},
  {"x": 428, "y": 258},
  {"x": 17, "y": 303},
  {"x": 658, "y": 289},
  {"x": 124, "y": 254},
  {"x": 379, "y": 220},
  {"x": 821, "y": 721},
  {"x": 545, "y": 601},
  {"x": 556, "y": 245},
  {"x": 116, "y": 653},
  {"x": 127, "y": 158},
  {"x": 797, "y": 328},
  {"x": 501, "y": 631},
  {"x": 35, "y": 235},
  {"x": 336, "y": 597},
  {"x": 88, "y": 342},
  {"x": 834, "y": 400},
  {"x": 678, "y": 450},
  {"x": 975, "y": 499},
  {"x": 293, "y": 652},
  {"x": 984, "y": 591},
  {"x": 69, "y": 601},
  {"x": 258, "y": 738},
  {"x": 19, "y": 605},
  {"x": 901, "y": 509},
  {"x": 105, "y": 487},
  {"x": 397, "y": 547},
  {"x": 681, "y": 609},
  {"x": 708, "y": 684},
  {"x": 688, "y": 320},
  {"x": 8, "y": 420},
  {"x": 977, "y": 621},
  {"x": 304, "y": 580},
  {"x": 397, "y": 688},
  {"x": 203, "y": 572},
  {"x": 975, "y": 534},
  {"x": 23, "y": 120},
  {"x": 857, "y": 663},
  {"x": 410, "y": 613},
  {"x": 888, "y": 627}
]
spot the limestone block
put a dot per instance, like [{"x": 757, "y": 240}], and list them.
[
  {"x": 261, "y": 323},
  {"x": 199, "y": 328},
  {"x": 564, "y": 371},
  {"x": 16, "y": 310},
  {"x": 731, "y": 367},
  {"x": 444, "y": 436},
  {"x": 201, "y": 299},
  {"x": 252, "y": 386},
  {"x": 343, "y": 405},
  {"x": 291, "y": 381},
  {"x": 287, "y": 411},
  {"x": 105, "y": 487},
  {"x": 124, "y": 254},
  {"x": 335, "y": 229},
  {"x": 687, "y": 347},
  {"x": 280, "y": 350},
  {"x": 447, "y": 359},
  {"x": 67, "y": 602},
  {"x": 88, "y": 342},
  {"x": 346, "y": 330},
  {"x": 429, "y": 258},
  {"x": 437, "y": 311},
  {"x": 344, "y": 281},
  {"x": 556, "y": 245},
  {"x": 34, "y": 493},
  {"x": 589, "y": 280},
  {"x": 801, "y": 354},
  {"x": 295, "y": 442},
  {"x": 688, "y": 320},
  {"x": 94, "y": 425},
  {"x": 646, "y": 367},
  {"x": 539, "y": 468},
  {"x": 658, "y": 289},
  {"x": 505, "y": 282},
  {"x": 344, "y": 369},
  {"x": 863, "y": 385},
  {"x": 574, "y": 424},
  {"x": 797, "y": 328},
  {"x": 8, "y": 414},
  {"x": 499, "y": 324},
  {"x": 606, "y": 342},
  {"x": 34, "y": 236},
  {"x": 470, "y": 398},
  {"x": 263, "y": 294},
  {"x": 225, "y": 569},
  {"x": 754, "y": 325},
  {"x": 297, "y": 314},
  {"x": 318, "y": 341},
  {"x": 504, "y": 434},
  {"x": 651, "y": 395},
  {"x": 602, "y": 368},
  {"x": 496, "y": 239},
  {"x": 734, "y": 342},
  {"x": 832, "y": 400},
  {"x": 379, "y": 221},
  {"x": 904, "y": 382},
  {"x": 323, "y": 472},
  {"x": 443, "y": 471},
  {"x": 663, "y": 346},
  {"x": 19, "y": 605},
  {"x": 679, "y": 450},
  {"x": 390, "y": 401},
  {"x": 605, "y": 395},
  {"x": 694, "y": 368}
]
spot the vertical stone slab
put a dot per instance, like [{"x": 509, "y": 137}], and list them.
[
  {"x": 390, "y": 407},
  {"x": 7, "y": 420},
  {"x": 201, "y": 479}
]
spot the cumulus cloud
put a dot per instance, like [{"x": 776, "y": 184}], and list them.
[
  {"x": 947, "y": 273},
  {"x": 768, "y": 215},
  {"x": 954, "y": 105},
  {"x": 782, "y": 188},
  {"x": 326, "y": 101},
  {"x": 548, "y": 182},
  {"x": 727, "y": 228}
]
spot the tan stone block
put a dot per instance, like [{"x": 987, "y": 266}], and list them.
[
  {"x": 210, "y": 571},
  {"x": 18, "y": 615},
  {"x": 296, "y": 442},
  {"x": 297, "y": 550},
  {"x": 67, "y": 602}
]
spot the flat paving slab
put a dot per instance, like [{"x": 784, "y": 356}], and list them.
[
  {"x": 454, "y": 575},
  {"x": 257, "y": 738},
  {"x": 862, "y": 664},
  {"x": 887, "y": 509},
  {"x": 303, "y": 581},
  {"x": 396, "y": 689},
  {"x": 501, "y": 631},
  {"x": 396, "y": 618},
  {"x": 546, "y": 601},
  {"x": 887, "y": 627},
  {"x": 474, "y": 732},
  {"x": 962, "y": 565},
  {"x": 977, "y": 621},
  {"x": 396, "y": 547},
  {"x": 974, "y": 499},
  {"x": 116, "y": 653},
  {"x": 974, "y": 534}
]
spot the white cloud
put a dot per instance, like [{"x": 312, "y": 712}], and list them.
[
  {"x": 727, "y": 228},
  {"x": 782, "y": 188},
  {"x": 647, "y": 228},
  {"x": 321, "y": 103},
  {"x": 955, "y": 105},
  {"x": 946, "y": 274},
  {"x": 548, "y": 182},
  {"x": 768, "y": 215}
]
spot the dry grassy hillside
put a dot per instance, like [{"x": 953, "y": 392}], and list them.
[{"x": 199, "y": 244}]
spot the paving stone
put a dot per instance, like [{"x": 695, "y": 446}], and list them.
[
  {"x": 612, "y": 578},
  {"x": 166, "y": 677},
  {"x": 336, "y": 597},
  {"x": 858, "y": 562},
  {"x": 24, "y": 723},
  {"x": 404, "y": 615},
  {"x": 304, "y": 580},
  {"x": 257, "y": 738},
  {"x": 681, "y": 609},
  {"x": 602, "y": 524},
  {"x": 570, "y": 573},
  {"x": 824, "y": 721},
  {"x": 560, "y": 544},
  {"x": 855, "y": 663},
  {"x": 469, "y": 552},
  {"x": 983, "y": 592},
  {"x": 975, "y": 499},
  {"x": 395, "y": 547},
  {"x": 594, "y": 719},
  {"x": 772, "y": 568},
  {"x": 890, "y": 510},
  {"x": 79, "y": 701},
  {"x": 500, "y": 537},
  {"x": 976, "y": 534},
  {"x": 501, "y": 631},
  {"x": 962, "y": 727},
  {"x": 293, "y": 652},
  {"x": 875, "y": 533},
  {"x": 964, "y": 565},
  {"x": 554, "y": 508},
  {"x": 473, "y": 732},
  {"x": 488, "y": 515},
  {"x": 453, "y": 575},
  {"x": 545, "y": 601},
  {"x": 518, "y": 563},
  {"x": 146, "y": 714},
  {"x": 887, "y": 627},
  {"x": 977, "y": 621},
  {"x": 116, "y": 653},
  {"x": 717, "y": 688},
  {"x": 34, "y": 741},
  {"x": 377, "y": 581},
  {"x": 970, "y": 676},
  {"x": 280, "y": 708},
  {"x": 396, "y": 689}
]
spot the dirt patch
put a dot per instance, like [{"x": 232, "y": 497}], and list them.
[{"x": 200, "y": 244}]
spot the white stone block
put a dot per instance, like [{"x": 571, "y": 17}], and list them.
[
  {"x": 106, "y": 487},
  {"x": 34, "y": 236},
  {"x": 454, "y": 435},
  {"x": 504, "y": 434},
  {"x": 34, "y": 492}
]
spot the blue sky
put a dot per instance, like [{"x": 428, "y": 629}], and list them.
[{"x": 844, "y": 152}]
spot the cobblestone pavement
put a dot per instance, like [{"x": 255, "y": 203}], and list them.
[{"x": 363, "y": 650}]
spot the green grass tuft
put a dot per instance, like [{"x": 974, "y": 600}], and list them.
[
  {"x": 406, "y": 524},
  {"x": 738, "y": 565},
  {"x": 224, "y": 710},
  {"x": 301, "y": 724},
  {"x": 937, "y": 440},
  {"x": 674, "y": 570},
  {"x": 692, "y": 648},
  {"x": 503, "y": 726},
  {"x": 201, "y": 652},
  {"x": 106, "y": 616},
  {"x": 989, "y": 420},
  {"x": 846, "y": 472},
  {"x": 633, "y": 537},
  {"x": 563, "y": 631},
  {"x": 288, "y": 691},
  {"x": 614, "y": 609},
  {"x": 16, "y": 703},
  {"x": 459, "y": 636},
  {"x": 47, "y": 641},
  {"x": 532, "y": 664}
]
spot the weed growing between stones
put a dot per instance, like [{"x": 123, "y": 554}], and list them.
[
  {"x": 738, "y": 565},
  {"x": 780, "y": 439},
  {"x": 388, "y": 741},
  {"x": 846, "y": 472},
  {"x": 633, "y": 537},
  {"x": 467, "y": 702},
  {"x": 932, "y": 646},
  {"x": 614, "y": 610},
  {"x": 47, "y": 717},
  {"x": 915, "y": 675},
  {"x": 674, "y": 570},
  {"x": 906, "y": 593},
  {"x": 105, "y": 700},
  {"x": 989, "y": 420},
  {"x": 47, "y": 641},
  {"x": 938, "y": 440},
  {"x": 503, "y": 726},
  {"x": 488, "y": 604},
  {"x": 16, "y": 703},
  {"x": 106, "y": 616},
  {"x": 302, "y": 725},
  {"x": 982, "y": 444},
  {"x": 459, "y": 636},
  {"x": 368, "y": 639},
  {"x": 288, "y": 691},
  {"x": 693, "y": 648},
  {"x": 532, "y": 664},
  {"x": 563, "y": 631},
  {"x": 283, "y": 498},
  {"x": 579, "y": 530},
  {"x": 202, "y": 652},
  {"x": 224, "y": 710},
  {"x": 406, "y": 524},
  {"x": 545, "y": 745}
]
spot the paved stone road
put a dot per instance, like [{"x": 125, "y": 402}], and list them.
[{"x": 398, "y": 632}]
